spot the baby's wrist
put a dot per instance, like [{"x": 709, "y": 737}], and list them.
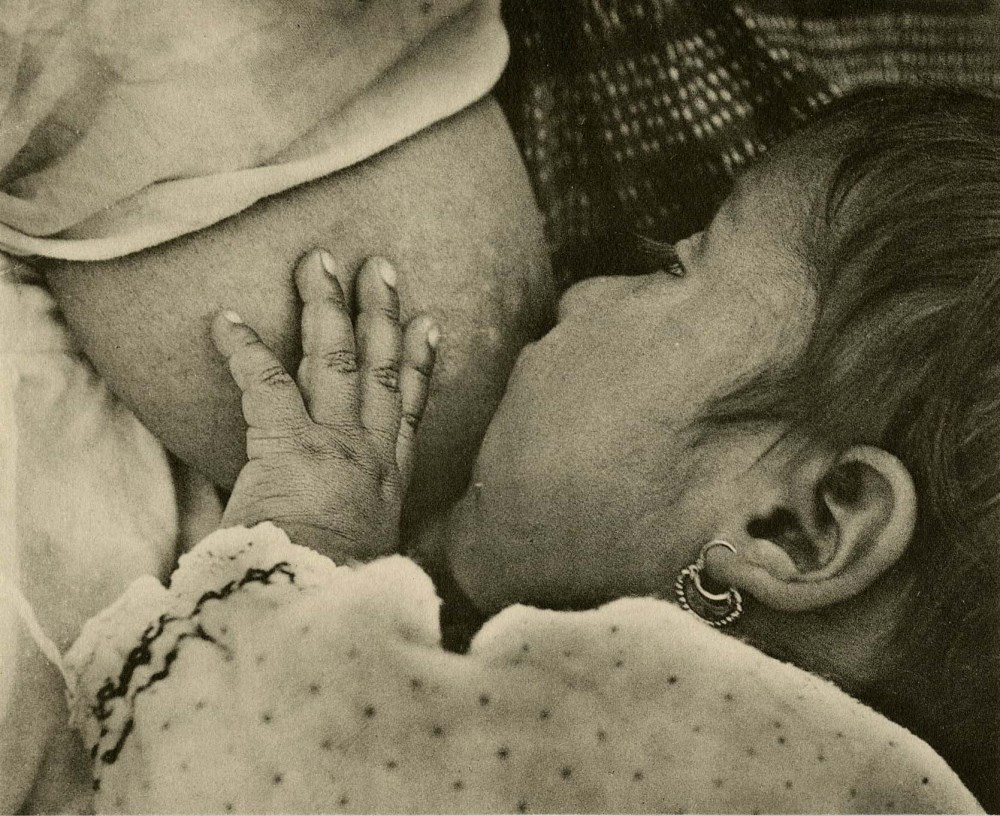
[{"x": 335, "y": 545}]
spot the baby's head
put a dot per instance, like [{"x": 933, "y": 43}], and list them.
[{"x": 821, "y": 388}]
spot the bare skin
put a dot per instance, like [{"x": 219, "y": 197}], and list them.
[
  {"x": 330, "y": 449},
  {"x": 593, "y": 482},
  {"x": 451, "y": 208}
]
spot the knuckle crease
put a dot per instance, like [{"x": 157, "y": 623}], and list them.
[
  {"x": 341, "y": 360},
  {"x": 275, "y": 375},
  {"x": 387, "y": 376}
]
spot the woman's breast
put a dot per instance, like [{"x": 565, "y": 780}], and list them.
[{"x": 451, "y": 207}]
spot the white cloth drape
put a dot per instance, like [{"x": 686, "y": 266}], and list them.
[
  {"x": 125, "y": 123},
  {"x": 86, "y": 505}
]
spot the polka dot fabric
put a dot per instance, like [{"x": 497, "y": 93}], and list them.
[{"x": 268, "y": 680}]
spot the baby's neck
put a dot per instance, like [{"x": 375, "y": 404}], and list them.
[
  {"x": 425, "y": 542},
  {"x": 460, "y": 619}
]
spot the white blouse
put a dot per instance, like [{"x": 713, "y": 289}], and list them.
[{"x": 266, "y": 679}]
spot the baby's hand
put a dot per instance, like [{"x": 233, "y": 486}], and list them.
[{"x": 330, "y": 452}]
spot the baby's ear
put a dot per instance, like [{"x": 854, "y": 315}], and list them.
[{"x": 834, "y": 525}]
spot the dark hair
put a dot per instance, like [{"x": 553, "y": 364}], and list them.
[{"x": 905, "y": 355}]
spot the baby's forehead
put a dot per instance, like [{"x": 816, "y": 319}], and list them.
[
  {"x": 770, "y": 197},
  {"x": 784, "y": 193}
]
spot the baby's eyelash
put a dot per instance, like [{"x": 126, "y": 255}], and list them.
[{"x": 661, "y": 256}]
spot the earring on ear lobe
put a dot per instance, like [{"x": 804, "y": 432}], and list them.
[{"x": 716, "y": 609}]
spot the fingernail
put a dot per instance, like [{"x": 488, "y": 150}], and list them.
[
  {"x": 231, "y": 316},
  {"x": 386, "y": 271},
  {"x": 327, "y": 262},
  {"x": 433, "y": 336}
]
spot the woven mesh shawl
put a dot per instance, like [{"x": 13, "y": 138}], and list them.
[{"x": 633, "y": 117}]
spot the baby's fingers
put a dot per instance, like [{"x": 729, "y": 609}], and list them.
[
  {"x": 271, "y": 400},
  {"x": 419, "y": 346},
  {"x": 380, "y": 345},
  {"x": 328, "y": 374}
]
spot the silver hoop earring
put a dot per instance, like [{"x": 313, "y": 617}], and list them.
[{"x": 715, "y": 609}]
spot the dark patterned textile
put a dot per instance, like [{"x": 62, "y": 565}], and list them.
[
  {"x": 634, "y": 115},
  {"x": 890, "y": 48}
]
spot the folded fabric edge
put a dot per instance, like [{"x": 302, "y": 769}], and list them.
[{"x": 487, "y": 47}]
